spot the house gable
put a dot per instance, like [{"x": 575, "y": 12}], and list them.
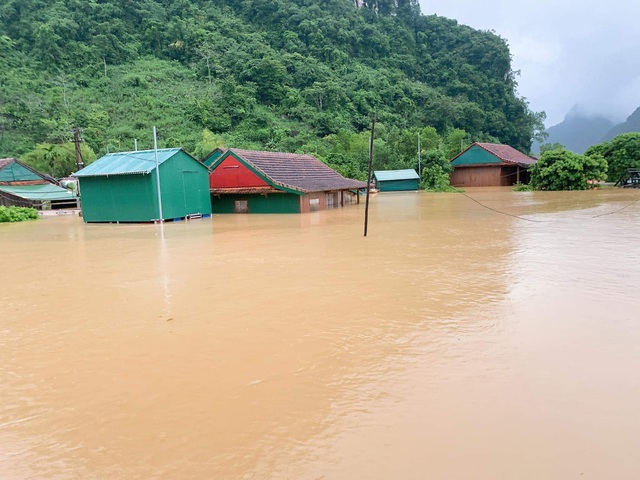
[
  {"x": 232, "y": 173},
  {"x": 475, "y": 155},
  {"x": 12, "y": 171},
  {"x": 213, "y": 157}
]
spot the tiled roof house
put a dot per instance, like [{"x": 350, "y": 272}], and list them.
[
  {"x": 490, "y": 165},
  {"x": 249, "y": 181}
]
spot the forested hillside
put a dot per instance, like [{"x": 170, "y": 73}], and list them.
[{"x": 293, "y": 75}]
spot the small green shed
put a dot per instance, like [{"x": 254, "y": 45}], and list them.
[
  {"x": 123, "y": 187},
  {"x": 396, "y": 180}
]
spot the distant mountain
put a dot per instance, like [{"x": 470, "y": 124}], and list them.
[
  {"x": 632, "y": 124},
  {"x": 578, "y": 131}
]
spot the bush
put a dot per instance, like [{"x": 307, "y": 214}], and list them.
[
  {"x": 621, "y": 153},
  {"x": 522, "y": 187},
  {"x": 17, "y": 214},
  {"x": 565, "y": 170},
  {"x": 436, "y": 179}
]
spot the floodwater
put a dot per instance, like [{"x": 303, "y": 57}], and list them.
[{"x": 454, "y": 342}]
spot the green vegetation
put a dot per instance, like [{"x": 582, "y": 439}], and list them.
[
  {"x": 436, "y": 169},
  {"x": 621, "y": 153},
  {"x": 57, "y": 160},
  {"x": 551, "y": 146},
  {"x": 561, "y": 169},
  {"x": 290, "y": 75},
  {"x": 522, "y": 187},
  {"x": 17, "y": 214}
]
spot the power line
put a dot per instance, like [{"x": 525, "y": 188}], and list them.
[
  {"x": 498, "y": 211},
  {"x": 616, "y": 211}
]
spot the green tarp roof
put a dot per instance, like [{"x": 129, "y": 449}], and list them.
[
  {"x": 39, "y": 192},
  {"x": 384, "y": 175},
  {"x": 127, "y": 163}
]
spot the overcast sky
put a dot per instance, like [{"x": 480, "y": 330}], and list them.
[{"x": 568, "y": 52}]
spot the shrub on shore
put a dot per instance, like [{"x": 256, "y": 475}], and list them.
[{"x": 17, "y": 214}]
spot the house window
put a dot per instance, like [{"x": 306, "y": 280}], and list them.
[
  {"x": 314, "y": 204},
  {"x": 241, "y": 206}
]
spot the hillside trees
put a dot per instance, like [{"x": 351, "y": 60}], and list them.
[{"x": 263, "y": 74}]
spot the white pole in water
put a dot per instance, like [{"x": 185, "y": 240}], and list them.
[
  {"x": 155, "y": 151},
  {"x": 135, "y": 144}
]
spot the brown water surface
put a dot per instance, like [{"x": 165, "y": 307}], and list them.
[{"x": 454, "y": 342}]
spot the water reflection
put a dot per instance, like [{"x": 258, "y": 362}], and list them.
[{"x": 265, "y": 346}]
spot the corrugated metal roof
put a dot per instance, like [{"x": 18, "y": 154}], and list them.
[
  {"x": 127, "y": 163},
  {"x": 39, "y": 192},
  {"x": 303, "y": 173},
  {"x": 385, "y": 175},
  {"x": 13, "y": 170}
]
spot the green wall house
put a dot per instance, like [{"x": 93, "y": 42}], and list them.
[
  {"x": 22, "y": 186},
  {"x": 490, "y": 165},
  {"x": 396, "y": 180},
  {"x": 248, "y": 181},
  {"x": 122, "y": 187}
]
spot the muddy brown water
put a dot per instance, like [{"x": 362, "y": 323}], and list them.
[{"x": 453, "y": 342}]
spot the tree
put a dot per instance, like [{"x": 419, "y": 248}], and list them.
[
  {"x": 550, "y": 146},
  {"x": 57, "y": 160},
  {"x": 621, "y": 153},
  {"x": 436, "y": 171},
  {"x": 565, "y": 170},
  {"x": 455, "y": 142}
]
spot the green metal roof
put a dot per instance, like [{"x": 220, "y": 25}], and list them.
[
  {"x": 127, "y": 163},
  {"x": 39, "y": 192},
  {"x": 385, "y": 175},
  {"x": 12, "y": 170}
]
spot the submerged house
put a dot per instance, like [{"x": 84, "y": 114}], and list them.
[
  {"x": 247, "y": 181},
  {"x": 23, "y": 186},
  {"x": 396, "y": 180},
  {"x": 490, "y": 165},
  {"x": 123, "y": 187}
]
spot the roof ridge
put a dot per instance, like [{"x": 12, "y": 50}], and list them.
[
  {"x": 129, "y": 152},
  {"x": 271, "y": 152}
]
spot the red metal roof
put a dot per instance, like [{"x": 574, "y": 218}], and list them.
[
  {"x": 304, "y": 173},
  {"x": 244, "y": 190},
  {"x": 506, "y": 153}
]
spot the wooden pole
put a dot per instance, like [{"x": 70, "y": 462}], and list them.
[
  {"x": 76, "y": 141},
  {"x": 366, "y": 208}
]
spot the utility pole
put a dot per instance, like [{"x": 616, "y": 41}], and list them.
[
  {"x": 77, "y": 140},
  {"x": 366, "y": 208},
  {"x": 419, "y": 173},
  {"x": 155, "y": 152}
]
